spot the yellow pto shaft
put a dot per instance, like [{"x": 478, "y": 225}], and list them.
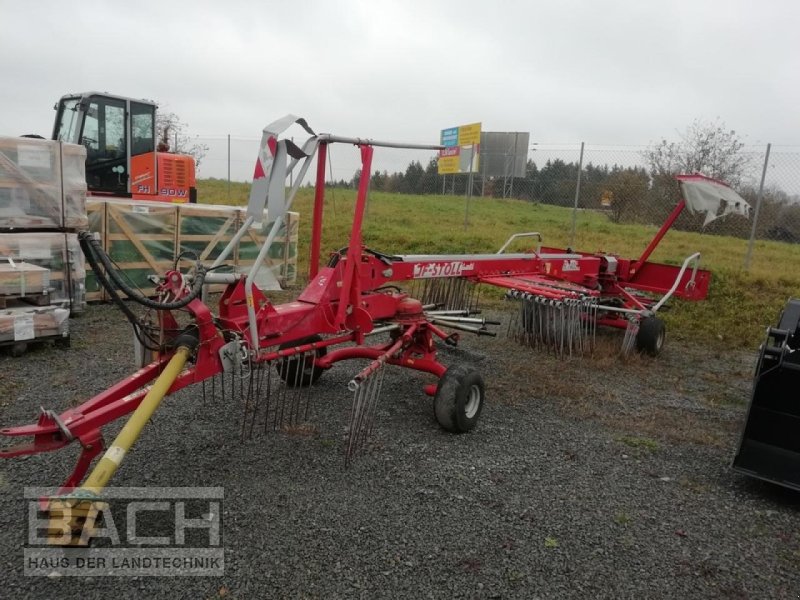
[
  {"x": 108, "y": 465},
  {"x": 72, "y": 516}
]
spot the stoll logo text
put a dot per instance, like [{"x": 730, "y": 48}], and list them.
[{"x": 125, "y": 532}]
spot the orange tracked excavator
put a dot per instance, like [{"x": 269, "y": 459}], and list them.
[{"x": 122, "y": 157}]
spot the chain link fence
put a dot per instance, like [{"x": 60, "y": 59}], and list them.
[{"x": 612, "y": 181}]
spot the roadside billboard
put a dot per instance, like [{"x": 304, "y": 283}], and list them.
[{"x": 461, "y": 152}]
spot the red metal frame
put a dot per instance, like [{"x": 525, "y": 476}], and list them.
[{"x": 342, "y": 301}]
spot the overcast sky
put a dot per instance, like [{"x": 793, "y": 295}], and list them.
[{"x": 617, "y": 72}]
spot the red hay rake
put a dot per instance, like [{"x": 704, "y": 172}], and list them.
[{"x": 271, "y": 354}]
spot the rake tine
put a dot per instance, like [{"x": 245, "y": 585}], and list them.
[
  {"x": 564, "y": 327},
  {"x": 372, "y": 402},
  {"x": 375, "y": 401},
  {"x": 249, "y": 410},
  {"x": 366, "y": 387},
  {"x": 279, "y": 418},
  {"x": 245, "y": 413},
  {"x": 253, "y": 395},
  {"x": 308, "y": 395},
  {"x": 300, "y": 362},
  {"x": 268, "y": 375},
  {"x": 353, "y": 416},
  {"x": 629, "y": 340},
  {"x": 364, "y": 411},
  {"x": 357, "y": 427}
]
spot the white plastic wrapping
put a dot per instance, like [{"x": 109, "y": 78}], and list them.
[
  {"x": 19, "y": 279},
  {"x": 42, "y": 184},
  {"x": 714, "y": 198},
  {"x": 60, "y": 253},
  {"x": 20, "y": 324}
]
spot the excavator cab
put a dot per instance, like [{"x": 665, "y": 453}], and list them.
[{"x": 119, "y": 134}]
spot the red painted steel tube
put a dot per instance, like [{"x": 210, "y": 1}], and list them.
[
  {"x": 319, "y": 203},
  {"x": 350, "y": 286},
  {"x": 373, "y": 366},
  {"x": 659, "y": 235},
  {"x": 119, "y": 390},
  {"x": 418, "y": 364},
  {"x": 80, "y": 424}
]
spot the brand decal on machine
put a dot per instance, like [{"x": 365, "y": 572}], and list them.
[
  {"x": 146, "y": 189},
  {"x": 570, "y": 264},
  {"x": 454, "y": 268}
]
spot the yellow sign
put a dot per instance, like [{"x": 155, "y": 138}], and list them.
[
  {"x": 469, "y": 134},
  {"x": 449, "y": 165},
  {"x": 450, "y": 160}
]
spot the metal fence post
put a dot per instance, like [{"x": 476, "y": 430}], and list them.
[
  {"x": 577, "y": 195},
  {"x": 469, "y": 186},
  {"x": 749, "y": 254}
]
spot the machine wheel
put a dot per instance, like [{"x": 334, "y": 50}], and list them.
[
  {"x": 62, "y": 342},
  {"x": 459, "y": 399},
  {"x": 651, "y": 336},
  {"x": 288, "y": 367},
  {"x": 18, "y": 349}
]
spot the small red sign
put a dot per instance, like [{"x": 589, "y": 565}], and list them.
[{"x": 450, "y": 151}]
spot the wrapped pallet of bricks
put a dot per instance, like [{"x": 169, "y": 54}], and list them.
[
  {"x": 21, "y": 325},
  {"x": 23, "y": 280},
  {"x": 57, "y": 252},
  {"x": 42, "y": 185}
]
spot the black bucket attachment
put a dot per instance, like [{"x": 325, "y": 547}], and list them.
[{"x": 770, "y": 444}]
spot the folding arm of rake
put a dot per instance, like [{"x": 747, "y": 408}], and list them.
[{"x": 83, "y": 423}]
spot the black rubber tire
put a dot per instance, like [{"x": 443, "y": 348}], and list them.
[
  {"x": 459, "y": 399},
  {"x": 288, "y": 367},
  {"x": 62, "y": 342},
  {"x": 18, "y": 349},
  {"x": 651, "y": 336}
]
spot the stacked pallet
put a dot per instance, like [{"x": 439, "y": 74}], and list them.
[
  {"x": 57, "y": 252},
  {"x": 42, "y": 206},
  {"x": 143, "y": 239}
]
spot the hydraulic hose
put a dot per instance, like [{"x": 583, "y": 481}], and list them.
[
  {"x": 139, "y": 328},
  {"x": 91, "y": 248}
]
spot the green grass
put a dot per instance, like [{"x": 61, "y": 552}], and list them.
[{"x": 739, "y": 307}]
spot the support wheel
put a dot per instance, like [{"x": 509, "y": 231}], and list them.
[
  {"x": 62, "y": 342},
  {"x": 297, "y": 371},
  {"x": 651, "y": 336},
  {"x": 459, "y": 399}
]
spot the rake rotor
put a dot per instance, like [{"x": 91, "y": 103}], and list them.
[{"x": 565, "y": 327}]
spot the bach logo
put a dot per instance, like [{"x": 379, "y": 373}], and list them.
[{"x": 128, "y": 531}]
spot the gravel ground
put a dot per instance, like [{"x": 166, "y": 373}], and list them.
[{"x": 585, "y": 478}]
